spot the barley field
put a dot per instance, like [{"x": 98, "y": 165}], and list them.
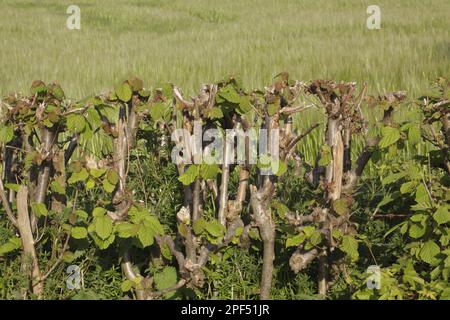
[{"x": 190, "y": 42}]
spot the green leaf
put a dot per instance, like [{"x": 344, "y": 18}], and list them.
[
  {"x": 136, "y": 84},
  {"x": 393, "y": 178},
  {"x": 81, "y": 176},
  {"x": 12, "y": 186},
  {"x": 442, "y": 215},
  {"x": 416, "y": 230},
  {"x": 126, "y": 229},
  {"x": 282, "y": 168},
  {"x": 428, "y": 252},
  {"x": 215, "y": 113},
  {"x": 408, "y": 187},
  {"x": 126, "y": 285},
  {"x": 108, "y": 186},
  {"x": 98, "y": 212},
  {"x": 209, "y": 171},
  {"x": 295, "y": 240},
  {"x": 78, "y": 232},
  {"x": 199, "y": 226},
  {"x": 57, "y": 188},
  {"x": 39, "y": 209},
  {"x": 325, "y": 155},
  {"x": 112, "y": 176},
  {"x": 124, "y": 92},
  {"x": 75, "y": 122},
  {"x": 97, "y": 173},
  {"x": 154, "y": 224},
  {"x": 414, "y": 134},
  {"x": 38, "y": 87},
  {"x": 145, "y": 235},
  {"x": 350, "y": 246},
  {"x": 103, "y": 227},
  {"x": 273, "y": 108},
  {"x": 13, "y": 243},
  {"x": 165, "y": 279},
  {"x": 6, "y": 133},
  {"x": 340, "y": 206},
  {"x": 189, "y": 175},
  {"x": 281, "y": 209},
  {"x": 230, "y": 94},
  {"x": 244, "y": 104},
  {"x": 316, "y": 238},
  {"x": 165, "y": 251},
  {"x": 215, "y": 228},
  {"x": 389, "y": 136},
  {"x": 157, "y": 111},
  {"x": 56, "y": 91}
]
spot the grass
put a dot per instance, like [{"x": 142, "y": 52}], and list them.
[{"x": 197, "y": 41}]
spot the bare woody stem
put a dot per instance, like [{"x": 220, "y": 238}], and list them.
[{"x": 29, "y": 261}]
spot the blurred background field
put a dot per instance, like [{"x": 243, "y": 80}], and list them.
[{"x": 196, "y": 41}]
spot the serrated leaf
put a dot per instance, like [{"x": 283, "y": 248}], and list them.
[
  {"x": 154, "y": 224},
  {"x": 108, "y": 186},
  {"x": 414, "y": 135},
  {"x": 75, "y": 122},
  {"x": 6, "y": 133},
  {"x": 126, "y": 229},
  {"x": 126, "y": 285},
  {"x": 39, "y": 209},
  {"x": 209, "y": 171},
  {"x": 189, "y": 175},
  {"x": 81, "y": 176},
  {"x": 442, "y": 215},
  {"x": 165, "y": 279},
  {"x": 38, "y": 87},
  {"x": 13, "y": 243},
  {"x": 389, "y": 136},
  {"x": 112, "y": 176},
  {"x": 78, "y": 232},
  {"x": 199, "y": 226},
  {"x": 124, "y": 92},
  {"x": 273, "y": 108},
  {"x": 429, "y": 251},
  {"x": 340, "y": 206},
  {"x": 393, "y": 178},
  {"x": 295, "y": 240},
  {"x": 98, "y": 212},
  {"x": 57, "y": 188},
  {"x": 97, "y": 173},
  {"x": 350, "y": 246},
  {"x": 145, "y": 235},
  {"x": 103, "y": 227},
  {"x": 215, "y": 113},
  {"x": 215, "y": 228},
  {"x": 157, "y": 111},
  {"x": 416, "y": 230}
]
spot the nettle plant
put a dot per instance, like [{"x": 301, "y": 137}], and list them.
[
  {"x": 68, "y": 171},
  {"x": 422, "y": 185}
]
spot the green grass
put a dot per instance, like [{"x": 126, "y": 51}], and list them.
[{"x": 197, "y": 41}]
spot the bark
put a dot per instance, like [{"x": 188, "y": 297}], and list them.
[
  {"x": 260, "y": 202},
  {"x": 48, "y": 139},
  {"x": 223, "y": 196},
  {"x": 29, "y": 261}
]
